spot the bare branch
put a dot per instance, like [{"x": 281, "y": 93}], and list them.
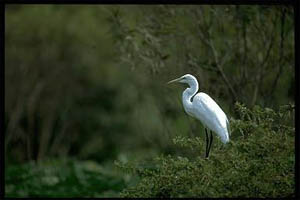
[
  {"x": 207, "y": 41},
  {"x": 262, "y": 72},
  {"x": 283, "y": 12},
  {"x": 219, "y": 66}
]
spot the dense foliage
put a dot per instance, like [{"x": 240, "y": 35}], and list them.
[
  {"x": 259, "y": 161},
  {"x": 63, "y": 178}
]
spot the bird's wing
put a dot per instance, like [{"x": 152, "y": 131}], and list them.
[{"x": 211, "y": 115}]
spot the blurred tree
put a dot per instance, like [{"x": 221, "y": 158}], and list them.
[{"x": 93, "y": 84}]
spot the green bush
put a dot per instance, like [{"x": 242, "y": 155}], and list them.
[
  {"x": 258, "y": 161},
  {"x": 63, "y": 178}
]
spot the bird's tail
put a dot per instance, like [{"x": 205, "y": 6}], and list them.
[
  {"x": 226, "y": 133},
  {"x": 228, "y": 127}
]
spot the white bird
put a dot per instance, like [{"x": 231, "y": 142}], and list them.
[{"x": 205, "y": 109}]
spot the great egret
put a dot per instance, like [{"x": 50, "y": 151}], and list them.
[{"x": 205, "y": 109}]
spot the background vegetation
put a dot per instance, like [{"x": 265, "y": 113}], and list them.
[{"x": 86, "y": 85}]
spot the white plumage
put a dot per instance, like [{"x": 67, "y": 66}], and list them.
[
  {"x": 205, "y": 109},
  {"x": 211, "y": 115}
]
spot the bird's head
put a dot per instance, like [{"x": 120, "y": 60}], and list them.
[{"x": 187, "y": 78}]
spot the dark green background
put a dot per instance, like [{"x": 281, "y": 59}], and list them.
[{"x": 88, "y": 83}]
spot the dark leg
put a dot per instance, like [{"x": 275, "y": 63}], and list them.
[
  {"x": 210, "y": 142},
  {"x": 206, "y": 155}
]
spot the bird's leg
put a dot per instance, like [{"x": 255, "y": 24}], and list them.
[
  {"x": 206, "y": 154},
  {"x": 210, "y": 142}
]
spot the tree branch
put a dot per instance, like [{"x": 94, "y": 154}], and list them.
[
  {"x": 280, "y": 53},
  {"x": 219, "y": 67},
  {"x": 219, "y": 64},
  {"x": 261, "y": 74}
]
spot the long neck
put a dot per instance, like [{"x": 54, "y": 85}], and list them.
[{"x": 187, "y": 96}]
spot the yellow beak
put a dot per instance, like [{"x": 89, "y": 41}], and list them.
[{"x": 175, "y": 80}]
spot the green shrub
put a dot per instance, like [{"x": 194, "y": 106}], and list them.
[
  {"x": 62, "y": 178},
  {"x": 258, "y": 161}
]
